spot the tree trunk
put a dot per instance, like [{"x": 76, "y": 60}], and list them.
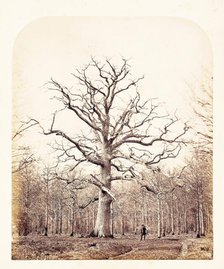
[
  {"x": 135, "y": 219},
  {"x": 202, "y": 228},
  {"x": 122, "y": 225},
  {"x": 163, "y": 224},
  {"x": 73, "y": 222},
  {"x": 52, "y": 225},
  {"x": 178, "y": 217},
  {"x": 103, "y": 218},
  {"x": 46, "y": 210},
  {"x": 172, "y": 216},
  {"x": 61, "y": 220},
  {"x": 158, "y": 218},
  {"x": 57, "y": 222},
  {"x": 198, "y": 220},
  {"x": 88, "y": 221},
  {"x": 46, "y": 223},
  {"x": 185, "y": 213},
  {"x": 112, "y": 220},
  {"x": 185, "y": 220}
]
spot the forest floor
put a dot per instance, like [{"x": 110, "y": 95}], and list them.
[{"x": 36, "y": 247}]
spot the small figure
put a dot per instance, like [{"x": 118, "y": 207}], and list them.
[{"x": 143, "y": 232}]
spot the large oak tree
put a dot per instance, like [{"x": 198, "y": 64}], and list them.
[{"x": 124, "y": 129}]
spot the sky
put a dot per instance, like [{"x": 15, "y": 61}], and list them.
[{"x": 171, "y": 53}]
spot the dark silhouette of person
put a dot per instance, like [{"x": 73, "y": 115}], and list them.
[{"x": 143, "y": 232}]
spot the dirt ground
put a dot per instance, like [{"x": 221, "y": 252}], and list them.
[{"x": 119, "y": 248}]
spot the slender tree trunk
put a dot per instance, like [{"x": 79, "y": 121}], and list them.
[
  {"x": 185, "y": 220},
  {"x": 202, "y": 218},
  {"x": 93, "y": 217},
  {"x": 122, "y": 225},
  {"x": 162, "y": 219},
  {"x": 25, "y": 225},
  {"x": 178, "y": 219},
  {"x": 172, "y": 216},
  {"x": 46, "y": 212},
  {"x": 158, "y": 218},
  {"x": 52, "y": 225},
  {"x": 202, "y": 228},
  {"x": 185, "y": 213},
  {"x": 143, "y": 208},
  {"x": 61, "y": 220},
  {"x": 67, "y": 221},
  {"x": 112, "y": 220},
  {"x": 198, "y": 232},
  {"x": 73, "y": 222},
  {"x": 135, "y": 218},
  {"x": 57, "y": 222}
]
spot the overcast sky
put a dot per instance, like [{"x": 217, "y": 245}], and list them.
[{"x": 169, "y": 52}]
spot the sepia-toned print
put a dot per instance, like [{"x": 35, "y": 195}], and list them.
[{"x": 112, "y": 140}]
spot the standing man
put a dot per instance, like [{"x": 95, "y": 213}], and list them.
[{"x": 143, "y": 232}]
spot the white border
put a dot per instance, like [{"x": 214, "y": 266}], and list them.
[{"x": 16, "y": 14}]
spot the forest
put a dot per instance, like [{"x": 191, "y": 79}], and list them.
[{"x": 122, "y": 161}]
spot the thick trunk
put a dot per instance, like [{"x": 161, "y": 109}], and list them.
[{"x": 103, "y": 220}]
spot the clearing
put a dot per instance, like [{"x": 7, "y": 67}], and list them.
[{"x": 36, "y": 247}]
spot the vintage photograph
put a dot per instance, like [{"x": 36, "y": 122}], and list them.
[{"x": 112, "y": 140}]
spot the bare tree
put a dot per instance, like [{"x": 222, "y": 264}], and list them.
[
  {"x": 123, "y": 129},
  {"x": 22, "y": 158},
  {"x": 24, "y": 125},
  {"x": 199, "y": 182},
  {"x": 21, "y": 155},
  {"x": 162, "y": 187},
  {"x": 203, "y": 109},
  {"x": 48, "y": 176}
]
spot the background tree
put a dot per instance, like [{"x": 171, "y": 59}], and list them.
[
  {"x": 22, "y": 155},
  {"x": 199, "y": 188},
  {"x": 203, "y": 110}
]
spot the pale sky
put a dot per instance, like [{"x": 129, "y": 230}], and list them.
[{"x": 169, "y": 52}]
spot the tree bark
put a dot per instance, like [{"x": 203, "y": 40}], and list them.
[{"x": 103, "y": 219}]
